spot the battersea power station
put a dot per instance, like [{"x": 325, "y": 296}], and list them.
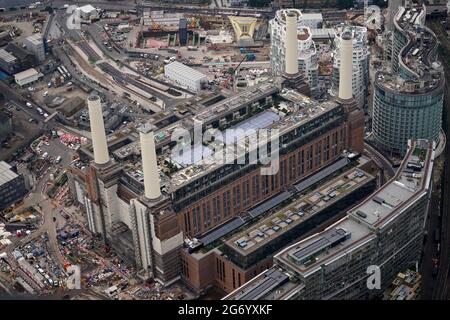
[{"x": 182, "y": 217}]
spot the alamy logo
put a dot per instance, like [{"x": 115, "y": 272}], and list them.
[
  {"x": 230, "y": 146},
  {"x": 374, "y": 279}
]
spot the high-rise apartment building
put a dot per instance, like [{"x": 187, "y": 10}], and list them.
[
  {"x": 307, "y": 53},
  {"x": 360, "y": 64},
  {"x": 408, "y": 99}
]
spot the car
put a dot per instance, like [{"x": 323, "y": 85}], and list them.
[
  {"x": 45, "y": 114},
  {"x": 45, "y": 94},
  {"x": 29, "y": 105}
]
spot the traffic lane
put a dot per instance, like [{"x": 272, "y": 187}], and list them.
[
  {"x": 32, "y": 112},
  {"x": 124, "y": 78},
  {"x": 430, "y": 249},
  {"x": 19, "y": 101},
  {"x": 386, "y": 164}
]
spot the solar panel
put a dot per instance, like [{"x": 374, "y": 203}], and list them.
[
  {"x": 259, "y": 121},
  {"x": 305, "y": 184},
  {"x": 269, "y": 204},
  {"x": 273, "y": 279},
  {"x": 327, "y": 240},
  {"x": 221, "y": 231}
]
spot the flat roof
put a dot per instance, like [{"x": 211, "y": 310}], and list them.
[
  {"x": 272, "y": 284},
  {"x": 87, "y": 8},
  {"x": 185, "y": 70},
  {"x": 36, "y": 39},
  {"x": 403, "y": 188},
  {"x": 311, "y": 16},
  {"x": 349, "y": 233},
  {"x": 26, "y": 74},
  {"x": 6, "y": 174},
  {"x": 363, "y": 221},
  {"x": 299, "y": 210},
  {"x": 6, "y": 56},
  {"x": 307, "y": 110}
]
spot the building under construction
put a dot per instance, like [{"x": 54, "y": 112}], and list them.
[{"x": 163, "y": 209}]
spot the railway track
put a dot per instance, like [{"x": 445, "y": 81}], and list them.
[{"x": 443, "y": 278}]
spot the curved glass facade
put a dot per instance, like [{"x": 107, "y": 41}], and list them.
[
  {"x": 408, "y": 101},
  {"x": 399, "y": 116}
]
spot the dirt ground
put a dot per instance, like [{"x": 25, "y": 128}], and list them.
[
  {"x": 24, "y": 131},
  {"x": 59, "y": 91}
]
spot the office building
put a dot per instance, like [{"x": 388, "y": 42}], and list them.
[
  {"x": 185, "y": 76},
  {"x": 408, "y": 100},
  {"x": 360, "y": 64},
  {"x": 12, "y": 187},
  {"x": 35, "y": 44},
  {"x": 307, "y": 55},
  {"x": 385, "y": 230}
]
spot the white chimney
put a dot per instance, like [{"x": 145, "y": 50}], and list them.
[
  {"x": 99, "y": 144},
  {"x": 291, "y": 44},
  {"x": 149, "y": 163},
  {"x": 346, "y": 68}
]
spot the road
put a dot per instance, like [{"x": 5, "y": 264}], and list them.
[
  {"x": 378, "y": 157},
  {"x": 443, "y": 280},
  {"x": 20, "y": 102}
]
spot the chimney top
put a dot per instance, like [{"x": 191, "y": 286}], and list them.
[
  {"x": 346, "y": 35},
  {"x": 145, "y": 128},
  {"x": 94, "y": 98}
]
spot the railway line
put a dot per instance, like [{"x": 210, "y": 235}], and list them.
[{"x": 441, "y": 291}]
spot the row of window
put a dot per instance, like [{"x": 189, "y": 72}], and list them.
[{"x": 254, "y": 187}]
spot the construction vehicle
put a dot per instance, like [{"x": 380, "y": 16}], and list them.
[
  {"x": 154, "y": 26},
  {"x": 250, "y": 57}
]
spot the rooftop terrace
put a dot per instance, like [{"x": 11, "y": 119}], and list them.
[
  {"x": 304, "y": 111},
  {"x": 299, "y": 210},
  {"x": 421, "y": 72},
  {"x": 411, "y": 181}
]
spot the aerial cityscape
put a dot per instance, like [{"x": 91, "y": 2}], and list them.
[{"x": 224, "y": 150}]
